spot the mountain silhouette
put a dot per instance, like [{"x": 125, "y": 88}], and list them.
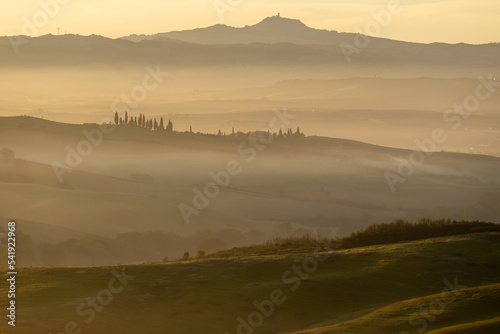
[
  {"x": 275, "y": 41},
  {"x": 275, "y": 29}
]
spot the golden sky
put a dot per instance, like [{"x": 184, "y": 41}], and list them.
[{"x": 452, "y": 21}]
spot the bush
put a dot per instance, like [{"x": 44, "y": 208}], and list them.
[
  {"x": 185, "y": 257},
  {"x": 306, "y": 241}
]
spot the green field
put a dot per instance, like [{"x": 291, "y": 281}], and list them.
[{"x": 376, "y": 289}]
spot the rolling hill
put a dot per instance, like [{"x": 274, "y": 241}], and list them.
[
  {"x": 376, "y": 289},
  {"x": 135, "y": 180},
  {"x": 275, "y": 41}
]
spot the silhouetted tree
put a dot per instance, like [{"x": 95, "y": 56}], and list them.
[
  {"x": 126, "y": 117},
  {"x": 170, "y": 126},
  {"x": 116, "y": 117},
  {"x": 161, "y": 127}
]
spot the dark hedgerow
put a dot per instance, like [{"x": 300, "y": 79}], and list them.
[
  {"x": 400, "y": 231},
  {"x": 376, "y": 234}
]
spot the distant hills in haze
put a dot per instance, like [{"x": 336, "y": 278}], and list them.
[
  {"x": 271, "y": 30},
  {"x": 275, "y": 41},
  {"x": 275, "y": 29}
]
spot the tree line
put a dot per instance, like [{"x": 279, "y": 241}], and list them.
[
  {"x": 403, "y": 231},
  {"x": 375, "y": 234},
  {"x": 142, "y": 122},
  {"x": 155, "y": 125}
]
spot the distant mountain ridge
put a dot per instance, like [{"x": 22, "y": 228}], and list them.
[
  {"x": 275, "y": 41},
  {"x": 275, "y": 29}
]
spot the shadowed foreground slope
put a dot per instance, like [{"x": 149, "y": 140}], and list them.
[{"x": 352, "y": 290}]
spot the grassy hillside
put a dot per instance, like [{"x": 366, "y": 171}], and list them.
[
  {"x": 372, "y": 289},
  {"x": 473, "y": 310}
]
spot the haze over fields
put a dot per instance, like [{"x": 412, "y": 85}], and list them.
[
  {"x": 195, "y": 158},
  {"x": 221, "y": 76},
  {"x": 392, "y": 95}
]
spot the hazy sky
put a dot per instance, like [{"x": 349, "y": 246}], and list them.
[{"x": 453, "y": 21}]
